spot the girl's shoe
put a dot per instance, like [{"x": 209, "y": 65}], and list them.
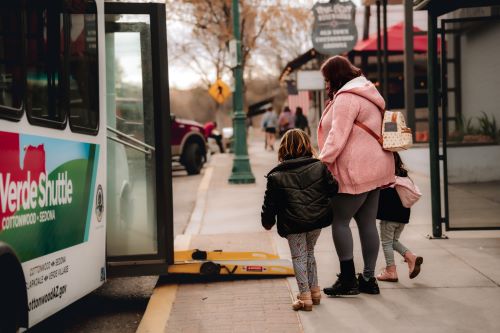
[
  {"x": 414, "y": 263},
  {"x": 316, "y": 295},
  {"x": 389, "y": 274},
  {"x": 303, "y": 302}
]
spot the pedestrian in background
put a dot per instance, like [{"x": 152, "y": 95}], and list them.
[
  {"x": 393, "y": 217},
  {"x": 301, "y": 121},
  {"x": 269, "y": 125},
  {"x": 302, "y": 206},
  {"x": 212, "y": 132},
  {"x": 286, "y": 120},
  {"x": 359, "y": 164}
]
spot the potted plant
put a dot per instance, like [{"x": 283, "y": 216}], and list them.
[{"x": 486, "y": 132}]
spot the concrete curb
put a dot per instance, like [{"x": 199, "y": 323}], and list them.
[{"x": 196, "y": 220}]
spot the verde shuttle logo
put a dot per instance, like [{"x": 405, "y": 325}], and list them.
[
  {"x": 29, "y": 194},
  {"x": 46, "y": 190}
]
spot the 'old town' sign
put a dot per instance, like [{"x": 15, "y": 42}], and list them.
[{"x": 334, "y": 30}]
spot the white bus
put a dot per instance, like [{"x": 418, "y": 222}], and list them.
[{"x": 83, "y": 194}]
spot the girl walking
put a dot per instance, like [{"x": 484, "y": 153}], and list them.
[
  {"x": 298, "y": 194},
  {"x": 393, "y": 217}
]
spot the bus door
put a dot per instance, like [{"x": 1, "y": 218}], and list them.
[{"x": 139, "y": 214}]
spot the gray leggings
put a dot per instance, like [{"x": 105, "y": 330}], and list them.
[
  {"x": 363, "y": 207},
  {"x": 304, "y": 263}
]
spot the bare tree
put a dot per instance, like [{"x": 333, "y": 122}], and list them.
[{"x": 270, "y": 31}]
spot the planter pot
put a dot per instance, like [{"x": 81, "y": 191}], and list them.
[{"x": 477, "y": 138}]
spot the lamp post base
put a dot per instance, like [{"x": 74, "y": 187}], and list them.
[{"x": 242, "y": 173}]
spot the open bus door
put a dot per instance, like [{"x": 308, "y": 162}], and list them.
[{"x": 139, "y": 199}]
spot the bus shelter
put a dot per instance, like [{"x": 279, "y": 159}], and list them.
[{"x": 463, "y": 97}]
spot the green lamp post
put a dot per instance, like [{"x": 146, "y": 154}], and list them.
[{"x": 241, "y": 173}]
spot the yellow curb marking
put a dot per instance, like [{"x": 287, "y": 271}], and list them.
[
  {"x": 158, "y": 311},
  {"x": 161, "y": 302}
]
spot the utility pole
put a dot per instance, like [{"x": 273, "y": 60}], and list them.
[{"x": 241, "y": 173}]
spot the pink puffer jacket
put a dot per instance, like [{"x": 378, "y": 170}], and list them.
[{"x": 352, "y": 155}]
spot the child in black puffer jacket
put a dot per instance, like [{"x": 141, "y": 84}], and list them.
[{"x": 298, "y": 193}]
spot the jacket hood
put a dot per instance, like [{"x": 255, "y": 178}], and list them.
[
  {"x": 292, "y": 164},
  {"x": 361, "y": 86}
]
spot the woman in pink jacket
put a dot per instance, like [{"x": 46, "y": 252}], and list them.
[{"x": 357, "y": 160}]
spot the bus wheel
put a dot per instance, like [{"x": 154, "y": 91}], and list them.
[{"x": 9, "y": 303}]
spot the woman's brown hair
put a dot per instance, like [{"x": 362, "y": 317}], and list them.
[
  {"x": 337, "y": 71},
  {"x": 295, "y": 143}
]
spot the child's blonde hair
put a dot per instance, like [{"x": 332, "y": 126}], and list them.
[{"x": 295, "y": 143}]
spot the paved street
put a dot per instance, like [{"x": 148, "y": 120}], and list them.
[{"x": 119, "y": 304}]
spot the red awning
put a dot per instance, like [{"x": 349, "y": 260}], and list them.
[{"x": 395, "y": 43}]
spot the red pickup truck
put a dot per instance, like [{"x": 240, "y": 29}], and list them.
[
  {"x": 188, "y": 140},
  {"x": 189, "y": 144}
]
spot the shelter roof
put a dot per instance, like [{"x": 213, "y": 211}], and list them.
[
  {"x": 298, "y": 62},
  {"x": 440, "y": 7},
  {"x": 260, "y": 107}
]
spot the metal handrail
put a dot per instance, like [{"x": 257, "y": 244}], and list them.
[
  {"x": 125, "y": 143},
  {"x": 128, "y": 137}
]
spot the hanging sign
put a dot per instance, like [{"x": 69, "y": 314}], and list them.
[{"x": 334, "y": 29}]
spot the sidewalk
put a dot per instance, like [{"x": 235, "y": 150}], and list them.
[
  {"x": 228, "y": 218},
  {"x": 457, "y": 291}
]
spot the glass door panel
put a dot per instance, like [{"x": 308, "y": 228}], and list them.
[{"x": 131, "y": 217}]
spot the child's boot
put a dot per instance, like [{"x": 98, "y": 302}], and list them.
[
  {"x": 389, "y": 274},
  {"x": 303, "y": 302},
  {"x": 414, "y": 263},
  {"x": 316, "y": 295}
]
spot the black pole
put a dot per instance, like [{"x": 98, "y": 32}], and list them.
[
  {"x": 379, "y": 47},
  {"x": 433, "y": 91},
  {"x": 386, "y": 58},
  {"x": 409, "y": 66},
  {"x": 366, "y": 33}
]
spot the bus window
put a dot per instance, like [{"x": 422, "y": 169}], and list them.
[
  {"x": 11, "y": 55},
  {"x": 83, "y": 66},
  {"x": 45, "y": 92}
]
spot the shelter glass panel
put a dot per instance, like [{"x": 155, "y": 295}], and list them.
[{"x": 471, "y": 86}]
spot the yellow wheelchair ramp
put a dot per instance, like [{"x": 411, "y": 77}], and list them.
[
  {"x": 221, "y": 255},
  {"x": 213, "y": 263}
]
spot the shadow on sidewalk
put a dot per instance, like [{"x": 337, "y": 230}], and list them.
[{"x": 191, "y": 279}]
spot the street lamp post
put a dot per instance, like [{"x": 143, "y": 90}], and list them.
[{"x": 241, "y": 173}]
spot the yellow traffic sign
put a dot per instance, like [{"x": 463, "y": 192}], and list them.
[{"x": 219, "y": 91}]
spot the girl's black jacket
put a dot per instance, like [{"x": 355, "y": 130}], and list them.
[
  {"x": 299, "y": 193},
  {"x": 390, "y": 207}
]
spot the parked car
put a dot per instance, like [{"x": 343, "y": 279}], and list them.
[
  {"x": 188, "y": 141},
  {"x": 189, "y": 144}
]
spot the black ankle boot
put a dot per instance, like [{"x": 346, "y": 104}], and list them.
[
  {"x": 346, "y": 283},
  {"x": 368, "y": 287}
]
